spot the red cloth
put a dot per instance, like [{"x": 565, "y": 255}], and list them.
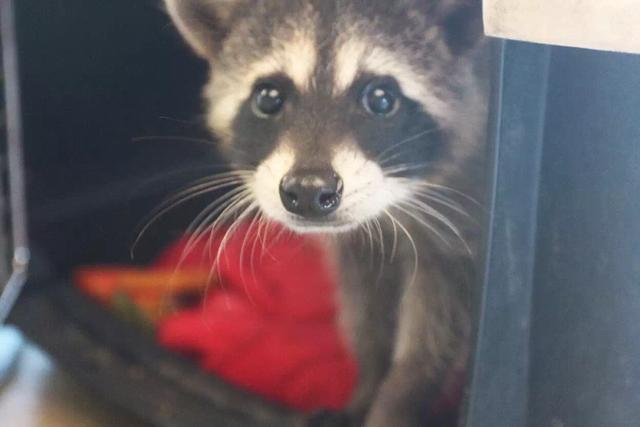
[{"x": 270, "y": 327}]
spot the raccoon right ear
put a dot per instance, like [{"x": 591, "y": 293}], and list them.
[
  {"x": 203, "y": 23},
  {"x": 462, "y": 24}
]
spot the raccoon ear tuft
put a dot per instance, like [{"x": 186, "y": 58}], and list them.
[
  {"x": 203, "y": 23},
  {"x": 462, "y": 24}
]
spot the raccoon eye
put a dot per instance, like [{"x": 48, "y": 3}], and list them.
[
  {"x": 380, "y": 99},
  {"x": 268, "y": 100}
]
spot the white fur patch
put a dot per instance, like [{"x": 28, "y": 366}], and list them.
[
  {"x": 367, "y": 191},
  {"x": 356, "y": 55},
  {"x": 295, "y": 56}
]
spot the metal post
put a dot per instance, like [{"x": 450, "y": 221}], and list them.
[{"x": 16, "y": 184}]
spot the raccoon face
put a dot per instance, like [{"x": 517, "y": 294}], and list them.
[{"x": 338, "y": 110}]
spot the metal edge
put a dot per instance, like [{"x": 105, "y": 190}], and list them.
[{"x": 15, "y": 160}]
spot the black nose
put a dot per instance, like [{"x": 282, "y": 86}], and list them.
[{"x": 311, "y": 194}]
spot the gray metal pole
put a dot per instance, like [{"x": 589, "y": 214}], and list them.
[{"x": 15, "y": 162}]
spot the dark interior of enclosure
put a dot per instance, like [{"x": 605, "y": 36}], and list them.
[{"x": 106, "y": 88}]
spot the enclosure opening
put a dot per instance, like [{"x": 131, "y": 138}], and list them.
[{"x": 114, "y": 126}]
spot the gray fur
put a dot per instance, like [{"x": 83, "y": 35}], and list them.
[{"x": 409, "y": 322}]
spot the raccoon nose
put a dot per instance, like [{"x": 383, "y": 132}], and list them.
[{"x": 311, "y": 194}]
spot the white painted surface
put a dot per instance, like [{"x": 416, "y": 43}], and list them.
[{"x": 596, "y": 24}]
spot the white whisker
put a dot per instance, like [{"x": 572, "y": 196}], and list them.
[
  {"x": 233, "y": 206},
  {"x": 394, "y": 246},
  {"x": 434, "y": 213},
  {"x": 241, "y": 213},
  {"x": 424, "y": 223},
  {"x": 261, "y": 223},
  {"x": 196, "y": 189},
  {"x": 212, "y": 210},
  {"x": 444, "y": 201},
  {"x": 378, "y": 227},
  {"x": 200, "y": 232},
  {"x": 411, "y": 242},
  {"x": 243, "y": 246},
  {"x": 405, "y": 168},
  {"x": 449, "y": 189},
  {"x": 367, "y": 226}
]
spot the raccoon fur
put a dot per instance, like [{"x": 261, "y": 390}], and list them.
[{"x": 352, "y": 118}]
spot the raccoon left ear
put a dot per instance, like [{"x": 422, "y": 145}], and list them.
[
  {"x": 203, "y": 23},
  {"x": 462, "y": 24}
]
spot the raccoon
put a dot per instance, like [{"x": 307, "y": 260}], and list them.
[{"x": 363, "y": 121}]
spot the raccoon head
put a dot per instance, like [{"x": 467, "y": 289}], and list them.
[{"x": 339, "y": 110}]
